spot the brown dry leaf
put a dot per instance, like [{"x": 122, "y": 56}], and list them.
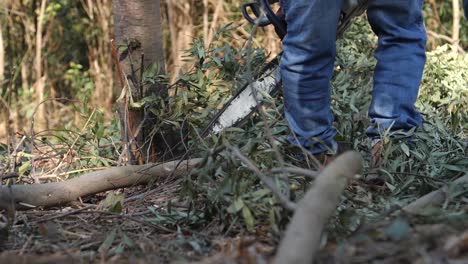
[
  {"x": 456, "y": 245},
  {"x": 50, "y": 230},
  {"x": 242, "y": 250}
]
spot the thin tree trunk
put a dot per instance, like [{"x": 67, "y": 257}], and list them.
[
  {"x": 2, "y": 57},
  {"x": 2, "y": 78},
  {"x": 139, "y": 21},
  {"x": 205, "y": 22},
  {"x": 216, "y": 15},
  {"x": 456, "y": 25},
  {"x": 39, "y": 86},
  {"x": 181, "y": 25},
  {"x": 99, "y": 52}
]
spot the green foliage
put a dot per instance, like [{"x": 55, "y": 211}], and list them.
[
  {"x": 79, "y": 81},
  {"x": 217, "y": 72},
  {"x": 117, "y": 242},
  {"x": 229, "y": 190},
  {"x": 445, "y": 88}
]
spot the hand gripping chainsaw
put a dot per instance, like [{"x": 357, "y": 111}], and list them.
[{"x": 260, "y": 13}]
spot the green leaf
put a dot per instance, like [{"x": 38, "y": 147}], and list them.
[
  {"x": 106, "y": 245},
  {"x": 128, "y": 241},
  {"x": 454, "y": 168},
  {"x": 151, "y": 71},
  {"x": 248, "y": 218},
  {"x": 113, "y": 202},
  {"x": 236, "y": 206},
  {"x": 122, "y": 48},
  {"x": 120, "y": 249},
  {"x": 398, "y": 230},
  {"x": 136, "y": 104},
  {"x": 24, "y": 168},
  {"x": 405, "y": 149},
  {"x": 260, "y": 194}
]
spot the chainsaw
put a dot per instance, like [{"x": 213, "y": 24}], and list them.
[{"x": 247, "y": 100}]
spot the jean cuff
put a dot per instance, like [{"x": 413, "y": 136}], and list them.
[{"x": 315, "y": 146}]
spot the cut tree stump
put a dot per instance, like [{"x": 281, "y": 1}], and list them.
[
  {"x": 23, "y": 197},
  {"x": 303, "y": 235}
]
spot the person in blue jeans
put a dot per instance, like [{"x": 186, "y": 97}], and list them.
[{"x": 308, "y": 61}]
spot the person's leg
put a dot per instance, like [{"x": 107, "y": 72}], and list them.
[
  {"x": 400, "y": 63},
  {"x": 465, "y": 7},
  {"x": 306, "y": 69}
]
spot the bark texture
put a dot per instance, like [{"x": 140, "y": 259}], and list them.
[
  {"x": 22, "y": 197},
  {"x": 139, "y": 22}
]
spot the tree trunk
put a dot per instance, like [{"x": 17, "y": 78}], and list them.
[
  {"x": 455, "y": 25},
  {"x": 99, "y": 52},
  {"x": 28, "y": 196},
  {"x": 2, "y": 57},
  {"x": 39, "y": 86},
  {"x": 181, "y": 28},
  {"x": 3, "y": 106},
  {"x": 138, "y": 26}
]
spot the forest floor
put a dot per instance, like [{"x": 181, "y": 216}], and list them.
[
  {"x": 159, "y": 226},
  {"x": 84, "y": 234}
]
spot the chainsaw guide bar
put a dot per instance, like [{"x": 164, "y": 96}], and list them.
[{"x": 246, "y": 100}]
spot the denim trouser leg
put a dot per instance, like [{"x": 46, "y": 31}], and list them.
[
  {"x": 465, "y": 7},
  {"x": 306, "y": 69},
  {"x": 400, "y": 62}
]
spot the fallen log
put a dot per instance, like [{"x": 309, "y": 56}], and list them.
[
  {"x": 302, "y": 238},
  {"x": 23, "y": 197},
  {"x": 432, "y": 198}
]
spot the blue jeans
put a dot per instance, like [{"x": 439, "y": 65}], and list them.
[
  {"x": 308, "y": 60},
  {"x": 465, "y": 6}
]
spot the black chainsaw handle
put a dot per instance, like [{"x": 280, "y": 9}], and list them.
[
  {"x": 260, "y": 20},
  {"x": 278, "y": 22},
  {"x": 265, "y": 18}
]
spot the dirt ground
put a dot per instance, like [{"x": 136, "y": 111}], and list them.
[{"x": 83, "y": 233}]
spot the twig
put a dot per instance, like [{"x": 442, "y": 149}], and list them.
[
  {"x": 57, "y": 216},
  {"x": 32, "y": 134},
  {"x": 447, "y": 39},
  {"x": 117, "y": 64},
  {"x": 8, "y": 176},
  {"x": 57, "y": 175},
  {"x": 134, "y": 219},
  {"x": 142, "y": 71},
  {"x": 265, "y": 180},
  {"x": 297, "y": 171},
  {"x": 117, "y": 215},
  {"x": 26, "y": 245},
  {"x": 74, "y": 142},
  {"x": 267, "y": 128},
  {"x": 417, "y": 175},
  {"x": 216, "y": 15}
]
